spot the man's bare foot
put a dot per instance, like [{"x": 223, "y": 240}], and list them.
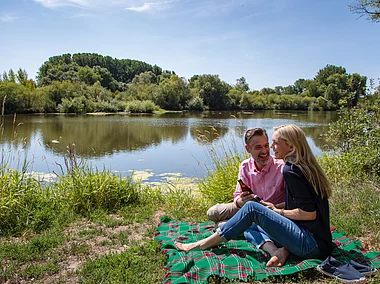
[
  {"x": 186, "y": 247},
  {"x": 278, "y": 258}
]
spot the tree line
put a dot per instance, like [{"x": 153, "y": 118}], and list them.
[{"x": 89, "y": 82}]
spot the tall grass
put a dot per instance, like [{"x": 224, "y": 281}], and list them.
[
  {"x": 355, "y": 204},
  {"x": 225, "y": 156},
  {"x": 28, "y": 204}
]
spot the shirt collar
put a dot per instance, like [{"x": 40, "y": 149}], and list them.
[{"x": 266, "y": 167}]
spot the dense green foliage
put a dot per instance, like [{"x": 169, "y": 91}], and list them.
[
  {"x": 82, "y": 83},
  {"x": 112, "y": 73},
  {"x": 357, "y": 134}
]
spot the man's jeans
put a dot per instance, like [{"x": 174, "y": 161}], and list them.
[{"x": 269, "y": 226}]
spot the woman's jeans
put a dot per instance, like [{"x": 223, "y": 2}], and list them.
[{"x": 269, "y": 226}]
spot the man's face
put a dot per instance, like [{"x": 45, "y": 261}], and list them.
[{"x": 258, "y": 147}]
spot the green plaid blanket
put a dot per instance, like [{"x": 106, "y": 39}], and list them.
[{"x": 238, "y": 259}]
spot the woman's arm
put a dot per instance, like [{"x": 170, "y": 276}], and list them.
[
  {"x": 294, "y": 214},
  {"x": 280, "y": 205},
  {"x": 297, "y": 214}
]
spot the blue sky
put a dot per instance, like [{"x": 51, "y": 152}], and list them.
[{"x": 269, "y": 42}]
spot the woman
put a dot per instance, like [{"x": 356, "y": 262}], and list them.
[{"x": 302, "y": 227}]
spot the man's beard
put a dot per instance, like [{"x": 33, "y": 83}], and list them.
[{"x": 262, "y": 162}]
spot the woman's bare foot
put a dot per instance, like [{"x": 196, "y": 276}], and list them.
[
  {"x": 187, "y": 247},
  {"x": 203, "y": 244},
  {"x": 278, "y": 258}
]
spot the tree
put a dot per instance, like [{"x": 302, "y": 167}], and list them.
[
  {"x": 368, "y": 8},
  {"x": 326, "y": 72},
  {"x": 290, "y": 90},
  {"x": 332, "y": 93},
  {"x": 241, "y": 85},
  {"x": 88, "y": 75},
  {"x": 22, "y": 76},
  {"x": 11, "y": 76},
  {"x": 267, "y": 91},
  {"x": 356, "y": 88},
  {"x": 234, "y": 97},
  {"x": 5, "y": 77},
  {"x": 172, "y": 94},
  {"x": 211, "y": 89},
  {"x": 279, "y": 90}
]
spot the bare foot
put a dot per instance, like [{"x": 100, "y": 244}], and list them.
[
  {"x": 186, "y": 247},
  {"x": 278, "y": 258}
]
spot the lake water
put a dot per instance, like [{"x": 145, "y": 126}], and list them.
[{"x": 159, "y": 146}]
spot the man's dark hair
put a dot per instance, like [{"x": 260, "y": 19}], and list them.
[{"x": 254, "y": 132}]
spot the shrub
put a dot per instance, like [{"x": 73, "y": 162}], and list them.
[
  {"x": 196, "y": 104},
  {"x": 356, "y": 136},
  {"x": 137, "y": 106}
]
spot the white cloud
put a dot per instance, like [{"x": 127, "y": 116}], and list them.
[
  {"x": 198, "y": 8},
  {"x": 144, "y": 7},
  {"x": 132, "y": 5},
  {"x": 62, "y": 3},
  {"x": 6, "y": 18},
  {"x": 149, "y": 6}
]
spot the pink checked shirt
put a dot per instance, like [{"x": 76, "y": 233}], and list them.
[{"x": 268, "y": 183}]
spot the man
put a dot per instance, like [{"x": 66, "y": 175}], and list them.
[{"x": 260, "y": 172}]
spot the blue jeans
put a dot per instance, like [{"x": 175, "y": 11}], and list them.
[{"x": 269, "y": 226}]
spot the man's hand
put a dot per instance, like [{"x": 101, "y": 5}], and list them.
[{"x": 244, "y": 197}]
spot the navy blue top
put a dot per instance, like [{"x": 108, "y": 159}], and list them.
[{"x": 300, "y": 194}]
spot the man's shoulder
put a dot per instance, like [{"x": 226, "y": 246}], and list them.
[
  {"x": 278, "y": 163},
  {"x": 247, "y": 161}
]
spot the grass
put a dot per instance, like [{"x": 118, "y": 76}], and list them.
[{"x": 97, "y": 227}]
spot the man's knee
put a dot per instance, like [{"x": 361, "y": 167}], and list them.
[
  {"x": 213, "y": 214},
  {"x": 221, "y": 212}
]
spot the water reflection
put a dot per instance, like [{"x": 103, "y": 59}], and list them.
[{"x": 158, "y": 142}]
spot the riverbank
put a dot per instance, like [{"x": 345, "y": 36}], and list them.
[{"x": 96, "y": 227}]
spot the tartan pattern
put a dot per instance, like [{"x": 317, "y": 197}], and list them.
[{"x": 238, "y": 259}]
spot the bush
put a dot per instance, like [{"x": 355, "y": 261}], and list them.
[
  {"x": 136, "y": 106},
  {"x": 76, "y": 105},
  {"x": 196, "y": 104},
  {"x": 105, "y": 107},
  {"x": 356, "y": 136},
  {"x": 85, "y": 190}
]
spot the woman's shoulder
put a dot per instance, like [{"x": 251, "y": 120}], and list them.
[{"x": 291, "y": 168}]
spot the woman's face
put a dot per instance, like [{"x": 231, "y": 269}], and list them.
[{"x": 279, "y": 146}]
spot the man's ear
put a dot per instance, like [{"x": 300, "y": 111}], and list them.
[{"x": 247, "y": 148}]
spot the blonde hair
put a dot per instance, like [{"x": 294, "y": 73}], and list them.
[{"x": 302, "y": 156}]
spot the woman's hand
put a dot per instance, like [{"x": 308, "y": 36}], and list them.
[
  {"x": 272, "y": 207},
  {"x": 268, "y": 205}
]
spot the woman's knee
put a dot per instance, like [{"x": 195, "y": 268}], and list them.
[{"x": 252, "y": 206}]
